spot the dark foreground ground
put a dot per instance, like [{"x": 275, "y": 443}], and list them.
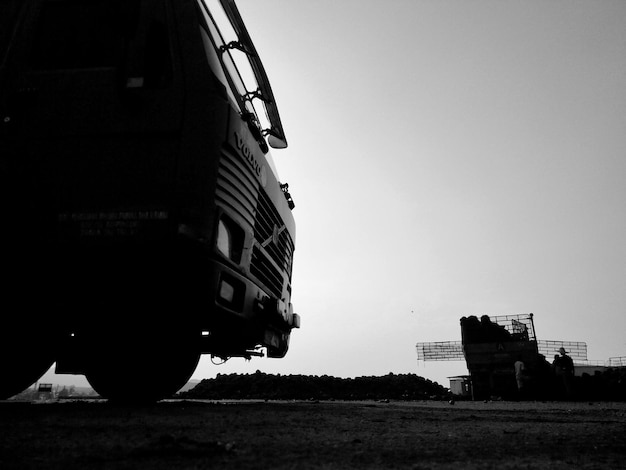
[{"x": 313, "y": 435}]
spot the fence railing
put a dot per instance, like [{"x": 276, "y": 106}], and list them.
[
  {"x": 577, "y": 350},
  {"x": 440, "y": 351},
  {"x": 453, "y": 351}
]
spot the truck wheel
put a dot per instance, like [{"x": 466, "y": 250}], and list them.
[{"x": 124, "y": 371}]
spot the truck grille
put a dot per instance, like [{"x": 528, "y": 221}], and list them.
[
  {"x": 271, "y": 257},
  {"x": 238, "y": 191},
  {"x": 272, "y": 233},
  {"x": 265, "y": 271}
]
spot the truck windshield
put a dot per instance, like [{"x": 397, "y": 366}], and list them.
[{"x": 242, "y": 68}]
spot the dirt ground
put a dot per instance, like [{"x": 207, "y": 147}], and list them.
[{"x": 313, "y": 435}]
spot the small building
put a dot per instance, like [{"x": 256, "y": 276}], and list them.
[
  {"x": 461, "y": 385},
  {"x": 44, "y": 392}
]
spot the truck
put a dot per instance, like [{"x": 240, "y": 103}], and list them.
[
  {"x": 491, "y": 345},
  {"x": 144, "y": 222}
]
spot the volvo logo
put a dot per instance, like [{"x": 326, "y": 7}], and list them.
[
  {"x": 275, "y": 236},
  {"x": 248, "y": 154}
]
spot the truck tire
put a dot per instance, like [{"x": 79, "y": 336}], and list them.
[{"x": 141, "y": 369}]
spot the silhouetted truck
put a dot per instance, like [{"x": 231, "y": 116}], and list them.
[
  {"x": 491, "y": 345},
  {"x": 143, "y": 223}
]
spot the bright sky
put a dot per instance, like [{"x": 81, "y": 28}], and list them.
[{"x": 447, "y": 158}]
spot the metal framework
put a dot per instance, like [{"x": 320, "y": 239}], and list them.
[
  {"x": 520, "y": 327},
  {"x": 494, "y": 328},
  {"x": 440, "y": 351},
  {"x": 575, "y": 349},
  {"x": 618, "y": 361},
  {"x": 453, "y": 351}
]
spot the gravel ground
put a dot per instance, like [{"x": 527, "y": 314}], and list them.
[{"x": 313, "y": 435}]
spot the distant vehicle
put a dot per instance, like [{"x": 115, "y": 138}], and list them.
[
  {"x": 143, "y": 222},
  {"x": 490, "y": 346}
]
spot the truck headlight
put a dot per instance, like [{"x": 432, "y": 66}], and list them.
[{"x": 229, "y": 240}]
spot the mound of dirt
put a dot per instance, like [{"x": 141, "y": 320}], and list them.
[{"x": 302, "y": 387}]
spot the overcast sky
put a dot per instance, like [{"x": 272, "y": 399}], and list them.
[{"x": 447, "y": 158}]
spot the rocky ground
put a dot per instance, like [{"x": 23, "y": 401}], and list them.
[{"x": 313, "y": 435}]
